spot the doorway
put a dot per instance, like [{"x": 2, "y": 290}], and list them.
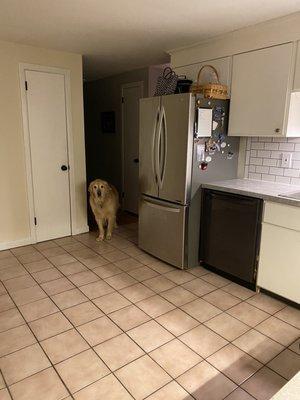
[
  {"x": 131, "y": 94},
  {"x": 45, "y": 105}
]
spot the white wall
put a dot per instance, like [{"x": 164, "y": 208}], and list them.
[{"x": 14, "y": 212}]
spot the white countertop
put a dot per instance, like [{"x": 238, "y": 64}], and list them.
[
  {"x": 260, "y": 189},
  {"x": 290, "y": 391}
]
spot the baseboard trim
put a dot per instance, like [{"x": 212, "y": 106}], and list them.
[
  {"x": 27, "y": 241},
  {"x": 15, "y": 243},
  {"x": 82, "y": 229}
]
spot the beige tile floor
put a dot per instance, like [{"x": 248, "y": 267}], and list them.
[{"x": 87, "y": 321}]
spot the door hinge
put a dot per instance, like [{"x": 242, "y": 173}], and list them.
[
  {"x": 123, "y": 195},
  {"x": 122, "y": 99},
  {"x": 35, "y": 221},
  {"x": 26, "y": 85}
]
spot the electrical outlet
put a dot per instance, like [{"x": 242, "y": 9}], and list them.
[{"x": 286, "y": 160}]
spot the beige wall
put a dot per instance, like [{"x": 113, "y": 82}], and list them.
[{"x": 14, "y": 211}]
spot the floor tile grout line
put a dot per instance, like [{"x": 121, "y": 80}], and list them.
[
  {"x": 161, "y": 296},
  {"x": 6, "y": 385},
  {"x": 95, "y": 351},
  {"x": 125, "y": 332},
  {"x": 177, "y": 307},
  {"x": 38, "y": 342},
  {"x": 241, "y": 300},
  {"x": 245, "y": 301},
  {"x": 178, "y": 283},
  {"x": 229, "y": 342}
]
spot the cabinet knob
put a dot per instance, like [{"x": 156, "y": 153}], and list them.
[{"x": 277, "y": 130}]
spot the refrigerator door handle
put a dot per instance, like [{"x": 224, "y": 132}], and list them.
[
  {"x": 156, "y": 150},
  {"x": 163, "y": 143},
  {"x": 154, "y": 141},
  {"x": 160, "y": 148},
  {"x": 160, "y": 206}
]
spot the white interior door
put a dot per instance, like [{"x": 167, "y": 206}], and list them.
[
  {"x": 47, "y": 124},
  {"x": 131, "y": 93}
]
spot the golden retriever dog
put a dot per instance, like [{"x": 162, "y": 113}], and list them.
[{"x": 104, "y": 202}]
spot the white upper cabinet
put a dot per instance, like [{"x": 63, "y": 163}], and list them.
[
  {"x": 260, "y": 91},
  {"x": 222, "y": 65}
]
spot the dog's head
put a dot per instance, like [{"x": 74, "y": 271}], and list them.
[{"x": 99, "y": 189}]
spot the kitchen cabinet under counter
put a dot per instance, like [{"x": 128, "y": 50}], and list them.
[
  {"x": 279, "y": 259},
  {"x": 278, "y": 269}
]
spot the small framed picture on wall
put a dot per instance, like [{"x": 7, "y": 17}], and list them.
[{"x": 108, "y": 122}]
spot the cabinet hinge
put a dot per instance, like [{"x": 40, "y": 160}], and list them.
[
  {"x": 123, "y": 195},
  {"x": 26, "y": 85},
  {"x": 122, "y": 99},
  {"x": 35, "y": 221}
]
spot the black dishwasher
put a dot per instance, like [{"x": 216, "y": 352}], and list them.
[{"x": 230, "y": 233}]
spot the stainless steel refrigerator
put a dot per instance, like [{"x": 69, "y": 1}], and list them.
[{"x": 170, "y": 178}]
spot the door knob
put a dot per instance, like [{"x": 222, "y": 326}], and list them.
[
  {"x": 136, "y": 160},
  {"x": 64, "y": 168}
]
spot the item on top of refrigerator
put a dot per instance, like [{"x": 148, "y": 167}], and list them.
[
  {"x": 166, "y": 83},
  {"x": 212, "y": 90},
  {"x": 183, "y": 84}
]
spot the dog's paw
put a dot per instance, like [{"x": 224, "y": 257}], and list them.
[
  {"x": 100, "y": 238},
  {"x": 108, "y": 236}
]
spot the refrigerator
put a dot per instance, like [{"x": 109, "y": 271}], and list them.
[{"x": 170, "y": 177}]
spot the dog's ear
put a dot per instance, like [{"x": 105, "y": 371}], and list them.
[{"x": 90, "y": 187}]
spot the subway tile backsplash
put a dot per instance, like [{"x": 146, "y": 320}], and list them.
[{"x": 263, "y": 159}]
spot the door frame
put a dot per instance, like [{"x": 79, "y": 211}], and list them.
[
  {"x": 125, "y": 86},
  {"x": 23, "y": 67}
]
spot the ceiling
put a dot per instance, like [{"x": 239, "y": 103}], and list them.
[{"x": 120, "y": 35}]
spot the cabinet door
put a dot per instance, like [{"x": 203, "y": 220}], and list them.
[
  {"x": 222, "y": 65},
  {"x": 261, "y": 81},
  {"x": 279, "y": 262}
]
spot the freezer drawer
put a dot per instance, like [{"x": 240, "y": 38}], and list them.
[{"x": 162, "y": 230}]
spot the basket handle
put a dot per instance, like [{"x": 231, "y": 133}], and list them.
[
  {"x": 168, "y": 72},
  {"x": 215, "y": 73}
]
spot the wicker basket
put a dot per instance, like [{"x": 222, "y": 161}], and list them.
[{"x": 211, "y": 90}]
